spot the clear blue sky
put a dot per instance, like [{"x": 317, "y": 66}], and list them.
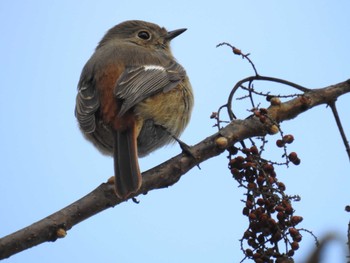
[{"x": 46, "y": 164}]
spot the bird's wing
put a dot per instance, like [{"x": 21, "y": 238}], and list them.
[
  {"x": 87, "y": 103},
  {"x": 138, "y": 83}
]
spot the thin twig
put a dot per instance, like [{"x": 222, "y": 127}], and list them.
[
  {"x": 262, "y": 78},
  {"x": 268, "y": 94},
  {"x": 340, "y": 127},
  {"x": 238, "y": 52}
]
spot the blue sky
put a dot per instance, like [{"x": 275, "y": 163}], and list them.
[{"x": 46, "y": 164}]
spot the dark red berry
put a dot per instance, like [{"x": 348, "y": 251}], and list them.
[
  {"x": 254, "y": 150},
  {"x": 296, "y": 220},
  {"x": 295, "y": 245},
  {"x": 280, "y": 143},
  {"x": 288, "y": 138}
]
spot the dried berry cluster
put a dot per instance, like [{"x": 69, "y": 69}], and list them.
[
  {"x": 272, "y": 223},
  {"x": 262, "y": 114}
]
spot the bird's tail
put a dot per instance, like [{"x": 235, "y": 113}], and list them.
[{"x": 126, "y": 167}]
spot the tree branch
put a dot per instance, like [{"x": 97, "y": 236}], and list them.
[{"x": 167, "y": 173}]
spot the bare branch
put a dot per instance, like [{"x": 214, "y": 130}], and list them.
[{"x": 167, "y": 173}]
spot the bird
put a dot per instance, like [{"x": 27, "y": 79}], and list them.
[{"x": 133, "y": 98}]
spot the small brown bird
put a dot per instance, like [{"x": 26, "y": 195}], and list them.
[{"x": 133, "y": 97}]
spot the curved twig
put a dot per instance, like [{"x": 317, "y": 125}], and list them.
[{"x": 263, "y": 78}]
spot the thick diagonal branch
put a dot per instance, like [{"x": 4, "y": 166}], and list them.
[{"x": 165, "y": 174}]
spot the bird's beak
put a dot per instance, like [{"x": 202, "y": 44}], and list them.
[{"x": 174, "y": 33}]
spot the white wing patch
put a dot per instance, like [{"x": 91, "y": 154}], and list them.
[{"x": 154, "y": 67}]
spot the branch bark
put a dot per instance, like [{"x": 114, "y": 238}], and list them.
[{"x": 165, "y": 174}]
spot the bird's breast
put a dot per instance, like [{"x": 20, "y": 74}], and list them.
[{"x": 163, "y": 115}]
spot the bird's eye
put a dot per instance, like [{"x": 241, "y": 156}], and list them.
[{"x": 144, "y": 35}]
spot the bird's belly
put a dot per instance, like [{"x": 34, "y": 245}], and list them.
[{"x": 163, "y": 115}]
